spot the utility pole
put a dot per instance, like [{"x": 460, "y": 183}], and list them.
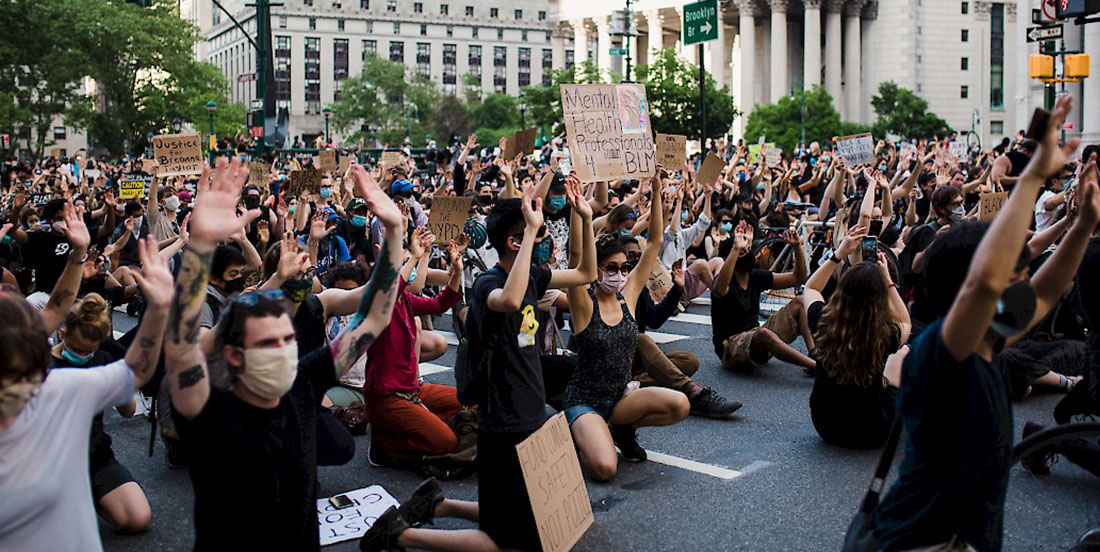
[
  {"x": 702, "y": 103},
  {"x": 262, "y": 44},
  {"x": 626, "y": 41}
]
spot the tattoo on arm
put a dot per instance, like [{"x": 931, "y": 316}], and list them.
[
  {"x": 59, "y": 297},
  {"x": 378, "y": 299},
  {"x": 191, "y": 284},
  {"x": 191, "y": 376}
]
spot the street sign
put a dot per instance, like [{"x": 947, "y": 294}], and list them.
[
  {"x": 617, "y": 51},
  {"x": 700, "y": 22},
  {"x": 1037, "y": 34}
]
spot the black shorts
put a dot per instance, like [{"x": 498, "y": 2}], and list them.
[
  {"x": 505, "y": 508},
  {"x": 110, "y": 476}
]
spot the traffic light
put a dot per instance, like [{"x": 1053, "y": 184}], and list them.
[
  {"x": 1040, "y": 66},
  {"x": 1076, "y": 66}
]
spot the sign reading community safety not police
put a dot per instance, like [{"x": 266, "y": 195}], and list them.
[
  {"x": 609, "y": 131},
  {"x": 555, "y": 485},
  {"x": 178, "y": 154}
]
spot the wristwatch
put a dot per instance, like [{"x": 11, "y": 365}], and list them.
[{"x": 830, "y": 255}]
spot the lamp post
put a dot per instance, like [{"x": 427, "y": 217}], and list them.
[
  {"x": 408, "y": 127},
  {"x": 522, "y": 111},
  {"x": 211, "y": 107},
  {"x": 801, "y": 106},
  {"x": 326, "y": 111}
]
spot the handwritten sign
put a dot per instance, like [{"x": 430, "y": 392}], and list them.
[
  {"x": 957, "y": 149},
  {"x": 308, "y": 180},
  {"x": 389, "y": 159},
  {"x": 258, "y": 173},
  {"x": 354, "y": 521},
  {"x": 857, "y": 149},
  {"x": 772, "y": 155},
  {"x": 326, "y": 160},
  {"x": 559, "y": 498},
  {"x": 709, "y": 170},
  {"x": 671, "y": 150},
  {"x": 55, "y": 153},
  {"x": 989, "y": 204},
  {"x": 41, "y": 198},
  {"x": 178, "y": 154},
  {"x": 448, "y": 217},
  {"x": 609, "y": 131},
  {"x": 659, "y": 283},
  {"x": 133, "y": 186},
  {"x": 521, "y": 142},
  {"x": 343, "y": 164}
]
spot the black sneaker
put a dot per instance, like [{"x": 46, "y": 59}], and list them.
[
  {"x": 626, "y": 438},
  {"x": 420, "y": 507},
  {"x": 378, "y": 457},
  {"x": 712, "y": 405},
  {"x": 383, "y": 534},
  {"x": 1039, "y": 462}
]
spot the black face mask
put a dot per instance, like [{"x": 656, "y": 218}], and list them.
[
  {"x": 235, "y": 285},
  {"x": 251, "y": 201},
  {"x": 487, "y": 200}
]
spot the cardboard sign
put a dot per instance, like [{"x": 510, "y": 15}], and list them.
[
  {"x": 354, "y": 521},
  {"x": 990, "y": 203},
  {"x": 178, "y": 154},
  {"x": 133, "y": 186},
  {"x": 258, "y": 173},
  {"x": 305, "y": 180},
  {"x": 772, "y": 155},
  {"x": 609, "y": 131},
  {"x": 448, "y": 217},
  {"x": 709, "y": 170},
  {"x": 389, "y": 159},
  {"x": 659, "y": 283},
  {"x": 555, "y": 485},
  {"x": 55, "y": 153},
  {"x": 41, "y": 198},
  {"x": 343, "y": 164},
  {"x": 857, "y": 149},
  {"x": 520, "y": 142},
  {"x": 326, "y": 160},
  {"x": 671, "y": 150},
  {"x": 957, "y": 149}
]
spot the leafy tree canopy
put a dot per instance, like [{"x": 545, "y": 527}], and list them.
[
  {"x": 388, "y": 97},
  {"x": 901, "y": 112},
  {"x": 781, "y": 122}
]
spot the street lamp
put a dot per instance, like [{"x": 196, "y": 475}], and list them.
[
  {"x": 326, "y": 111},
  {"x": 211, "y": 107},
  {"x": 522, "y": 111},
  {"x": 408, "y": 127}
]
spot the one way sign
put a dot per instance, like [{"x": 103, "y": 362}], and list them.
[{"x": 1038, "y": 34}]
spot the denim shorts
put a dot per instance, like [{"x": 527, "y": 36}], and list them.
[{"x": 576, "y": 411}]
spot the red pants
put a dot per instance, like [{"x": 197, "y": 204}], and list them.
[{"x": 407, "y": 429}]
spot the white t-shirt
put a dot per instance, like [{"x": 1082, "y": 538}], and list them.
[
  {"x": 44, "y": 482},
  {"x": 1045, "y": 218}
]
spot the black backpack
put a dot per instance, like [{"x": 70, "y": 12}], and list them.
[{"x": 472, "y": 371}]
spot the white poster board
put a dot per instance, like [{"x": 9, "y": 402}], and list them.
[
  {"x": 608, "y": 130},
  {"x": 958, "y": 150},
  {"x": 857, "y": 149},
  {"x": 354, "y": 521}
]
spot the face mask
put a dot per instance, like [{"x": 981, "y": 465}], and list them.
[
  {"x": 137, "y": 222},
  {"x": 543, "y": 251},
  {"x": 626, "y": 233},
  {"x": 683, "y": 216},
  {"x": 252, "y": 202},
  {"x": 612, "y": 283},
  {"x": 15, "y": 396},
  {"x": 172, "y": 203},
  {"x": 60, "y": 226},
  {"x": 270, "y": 372},
  {"x": 726, "y": 227},
  {"x": 5, "y": 240},
  {"x": 297, "y": 290},
  {"x": 326, "y": 192},
  {"x": 957, "y": 214},
  {"x": 75, "y": 359},
  {"x": 412, "y": 276},
  {"x": 557, "y": 203},
  {"x": 358, "y": 221},
  {"x": 487, "y": 200},
  {"x": 291, "y": 209},
  {"x": 235, "y": 285}
]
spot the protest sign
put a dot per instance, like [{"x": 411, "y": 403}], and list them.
[
  {"x": 990, "y": 203},
  {"x": 957, "y": 149},
  {"x": 133, "y": 186},
  {"x": 520, "y": 142},
  {"x": 41, "y": 198},
  {"x": 389, "y": 159},
  {"x": 258, "y": 173},
  {"x": 92, "y": 173},
  {"x": 343, "y": 164},
  {"x": 308, "y": 180},
  {"x": 772, "y": 155},
  {"x": 326, "y": 160},
  {"x": 178, "y": 154},
  {"x": 552, "y": 473},
  {"x": 55, "y": 153},
  {"x": 609, "y": 131},
  {"x": 448, "y": 217},
  {"x": 659, "y": 282},
  {"x": 709, "y": 170},
  {"x": 671, "y": 150},
  {"x": 857, "y": 149},
  {"x": 352, "y": 522}
]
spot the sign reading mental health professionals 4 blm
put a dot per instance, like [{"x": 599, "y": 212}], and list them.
[
  {"x": 608, "y": 130},
  {"x": 700, "y": 22}
]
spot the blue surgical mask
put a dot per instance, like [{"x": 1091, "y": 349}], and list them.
[
  {"x": 683, "y": 216},
  {"x": 291, "y": 209},
  {"x": 557, "y": 203},
  {"x": 326, "y": 192},
  {"x": 358, "y": 221},
  {"x": 727, "y": 226},
  {"x": 626, "y": 233},
  {"x": 76, "y": 359},
  {"x": 543, "y": 250}
]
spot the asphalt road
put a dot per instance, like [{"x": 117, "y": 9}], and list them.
[{"x": 792, "y": 491}]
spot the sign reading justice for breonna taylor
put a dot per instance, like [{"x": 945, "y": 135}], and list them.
[
  {"x": 178, "y": 154},
  {"x": 609, "y": 131}
]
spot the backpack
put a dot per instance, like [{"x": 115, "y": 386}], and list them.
[
  {"x": 462, "y": 461},
  {"x": 472, "y": 371}
]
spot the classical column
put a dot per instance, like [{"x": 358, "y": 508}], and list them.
[
  {"x": 853, "y": 60},
  {"x": 603, "y": 43},
  {"x": 580, "y": 43},
  {"x": 656, "y": 38},
  {"x": 832, "y": 52},
  {"x": 557, "y": 45},
  {"x": 746, "y": 29},
  {"x": 719, "y": 54},
  {"x": 779, "y": 75},
  {"x": 1090, "y": 119},
  {"x": 811, "y": 58}
]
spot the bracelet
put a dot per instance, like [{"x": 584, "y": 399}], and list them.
[{"x": 81, "y": 261}]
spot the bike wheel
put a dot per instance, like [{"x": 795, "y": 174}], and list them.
[
  {"x": 1059, "y": 511},
  {"x": 773, "y": 254}
]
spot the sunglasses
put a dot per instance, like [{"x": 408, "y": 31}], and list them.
[
  {"x": 625, "y": 268},
  {"x": 250, "y": 299}
]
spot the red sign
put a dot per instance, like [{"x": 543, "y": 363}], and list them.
[{"x": 1067, "y": 126}]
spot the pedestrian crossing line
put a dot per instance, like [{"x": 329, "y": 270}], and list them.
[
  {"x": 451, "y": 338},
  {"x": 661, "y": 338},
  {"x": 691, "y": 318},
  {"x": 118, "y": 335},
  {"x": 705, "y": 301},
  {"x": 720, "y": 472},
  {"x": 427, "y": 368}
]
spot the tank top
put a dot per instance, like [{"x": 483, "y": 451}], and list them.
[{"x": 604, "y": 358}]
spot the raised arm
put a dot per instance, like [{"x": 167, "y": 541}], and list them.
[
  {"x": 800, "y": 272},
  {"x": 820, "y": 278},
  {"x": 638, "y": 277},
  {"x": 510, "y": 297},
  {"x": 742, "y": 241},
  {"x": 64, "y": 291},
  {"x": 586, "y": 271},
  {"x": 156, "y": 288}
]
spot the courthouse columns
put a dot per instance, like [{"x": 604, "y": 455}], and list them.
[
  {"x": 811, "y": 59},
  {"x": 780, "y": 81},
  {"x": 720, "y": 54},
  {"x": 832, "y": 53},
  {"x": 1090, "y": 120},
  {"x": 746, "y": 29},
  {"x": 580, "y": 43},
  {"x": 603, "y": 44},
  {"x": 656, "y": 33},
  {"x": 853, "y": 62},
  {"x": 557, "y": 45}
]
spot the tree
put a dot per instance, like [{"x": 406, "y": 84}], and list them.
[
  {"x": 781, "y": 122},
  {"x": 900, "y": 112},
  {"x": 496, "y": 116},
  {"x": 452, "y": 119},
  {"x": 544, "y": 102},
  {"x": 672, "y": 88},
  {"x": 393, "y": 100}
]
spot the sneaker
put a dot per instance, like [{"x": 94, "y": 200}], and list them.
[
  {"x": 383, "y": 534},
  {"x": 174, "y": 454},
  {"x": 626, "y": 438},
  {"x": 1039, "y": 462},
  {"x": 420, "y": 507},
  {"x": 378, "y": 457},
  {"x": 712, "y": 405}
]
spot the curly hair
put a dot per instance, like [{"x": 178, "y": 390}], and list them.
[
  {"x": 89, "y": 317},
  {"x": 850, "y": 337}
]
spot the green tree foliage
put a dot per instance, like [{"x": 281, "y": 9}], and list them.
[
  {"x": 495, "y": 116},
  {"x": 544, "y": 102},
  {"x": 781, "y": 122},
  {"x": 383, "y": 96},
  {"x": 452, "y": 119},
  {"x": 900, "y": 112},
  {"x": 672, "y": 87}
]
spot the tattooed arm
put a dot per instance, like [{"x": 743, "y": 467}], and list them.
[
  {"x": 156, "y": 287},
  {"x": 376, "y": 305}
]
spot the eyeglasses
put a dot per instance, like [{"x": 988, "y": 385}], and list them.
[
  {"x": 625, "y": 268},
  {"x": 250, "y": 299}
]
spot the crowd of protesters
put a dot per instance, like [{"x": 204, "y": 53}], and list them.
[{"x": 274, "y": 326}]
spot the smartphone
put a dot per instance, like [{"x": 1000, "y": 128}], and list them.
[
  {"x": 870, "y": 249},
  {"x": 341, "y": 501}
]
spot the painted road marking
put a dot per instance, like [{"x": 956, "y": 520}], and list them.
[
  {"x": 691, "y": 465},
  {"x": 691, "y": 318},
  {"x": 427, "y": 368}
]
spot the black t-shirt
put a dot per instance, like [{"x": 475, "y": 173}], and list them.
[
  {"x": 98, "y": 284},
  {"x": 739, "y": 309},
  {"x": 255, "y": 467},
  {"x": 99, "y": 446},
  {"x": 515, "y": 394},
  {"x": 48, "y": 252},
  {"x": 954, "y": 474},
  {"x": 309, "y": 324}
]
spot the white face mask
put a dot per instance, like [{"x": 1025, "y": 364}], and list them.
[
  {"x": 172, "y": 203},
  {"x": 269, "y": 372}
]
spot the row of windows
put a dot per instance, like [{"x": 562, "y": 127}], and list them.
[
  {"x": 418, "y": 7},
  {"x": 474, "y": 32}
]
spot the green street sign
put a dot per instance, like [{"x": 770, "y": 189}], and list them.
[
  {"x": 700, "y": 22},
  {"x": 617, "y": 51}
]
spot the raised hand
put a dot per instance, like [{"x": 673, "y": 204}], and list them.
[
  {"x": 678, "y": 272},
  {"x": 215, "y": 217},
  {"x": 454, "y": 251},
  {"x": 317, "y": 229},
  {"x": 742, "y": 236},
  {"x": 154, "y": 278},
  {"x": 852, "y": 241},
  {"x": 576, "y": 198},
  {"x": 792, "y": 237},
  {"x": 1088, "y": 195},
  {"x": 377, "y": 201},
  {"x": 75, "y": 230},
  {"x": 291, "y": 260},
  {"x": 532, "y": 215},
  {"x": 884, "y": 269}
]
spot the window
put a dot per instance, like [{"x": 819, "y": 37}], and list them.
[
  {"x": 473, "y": 33},
  {"x": 997, "y": 128},
  {"x": 964, "y": 91},
  {"x": 450, "y": 54},
  {"x": 397, "y": 52},
  {"x": 494, "y": 12},
  {"x": 59, "y": 133},
  {"x": 370, "y": 48},
  {"x": 312, "y": 23},
  {"x": 391, "y": 5},
  {"x": 450, "y": 30},
  {"x": 423, "y": 30},
  {"x": 339, "y": 65},
  {"x": 965, "y": 8},
  {"x": 370, "y": 27},
  {"x": 965, "y": 64},
  {"x": 312, "y": 71},
  {"x": 339, "y": 24},
  {"x": 282, "y": 21},
  {"x": 396, "y": 28},
  {"x": 364, "y": 4},
  {"x": 500, "y": 79},
  {"x": 542, "y": 16},
  {"x": 336, "y": 4},
  {"x": 500, "y": 34},
  {"x": 424, "y": 59},
  {"x": 966, "y": 35},
  {"x": 307, "y": 2},
  {"x": 519, "y": 15},
  {"x": 523, "y": 35},
  {"x": 474, "y": 60},
  {"x": 997, "y": 56},
  {"x": 418, "y": 7},
  {"x": 469, "y": 11},
  {"x": 524, "y": 57},
  {"x": 547, "y": 58},
  {"x": 444, "y": 9},
  {"x": 216, "y": 17},
  {"x": 570, "y": 58},
  {"x": 282, "y": 72}
]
